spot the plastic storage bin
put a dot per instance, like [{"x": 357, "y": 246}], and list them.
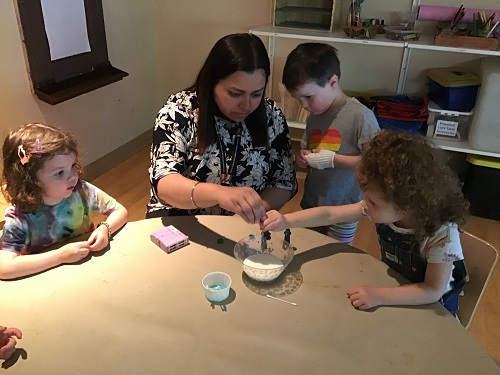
[
  {"x": 444, "y": 124},
  {"x": 482, "y": 186},
  {"x": 484, "y": 132},
  {"x": 453, "y": 89}
]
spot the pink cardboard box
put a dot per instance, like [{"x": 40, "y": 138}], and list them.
[{"x": 169, "y": 239}]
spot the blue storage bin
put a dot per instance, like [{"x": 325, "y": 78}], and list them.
[
  {"x": 399, "y": 125},
  {"x": 453, "y": 89}
]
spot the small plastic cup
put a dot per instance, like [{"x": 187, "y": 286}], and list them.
[{"x": 217, "y": 286}]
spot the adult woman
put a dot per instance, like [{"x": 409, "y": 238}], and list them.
[{"x": 220, "y": 147}]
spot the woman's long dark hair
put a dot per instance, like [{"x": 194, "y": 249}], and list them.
[{"x": 232, "y": 53}]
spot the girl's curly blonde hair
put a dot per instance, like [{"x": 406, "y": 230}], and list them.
[
  {"x": 411, "y": 174},
  {"x": 25, "y": 150}
]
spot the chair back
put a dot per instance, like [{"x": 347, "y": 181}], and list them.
[{"x": 480, "y": 259}]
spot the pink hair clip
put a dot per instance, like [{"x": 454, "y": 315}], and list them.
[
  {"x": 38, "y": 147},
  {"x": 23, "y": 157}
]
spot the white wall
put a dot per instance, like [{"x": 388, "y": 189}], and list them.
[
  {"x": 161, "y": 44},
  {"x": 187, "y": 29},
  {"x": 103, "y": 119}
]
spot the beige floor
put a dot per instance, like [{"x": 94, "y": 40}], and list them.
[{"x": 129, "y": 184}]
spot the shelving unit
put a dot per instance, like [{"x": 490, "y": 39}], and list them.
[
  {"x": 337, "y": 36},
  {"x": 307, "y": 14},
  {"x": 426, "y": 42}
]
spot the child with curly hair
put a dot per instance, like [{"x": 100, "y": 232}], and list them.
[
  {"x": 415, "y": 201},
  {"x": 41, "y": 179}
]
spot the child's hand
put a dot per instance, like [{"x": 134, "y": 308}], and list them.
[
  {"x": 74, "y": 251},
  {"x": 98, "y": 240},
  {"x": 300, "y": 158},
  {"x": 321, "y": 159},
  {"x": 274, "y": 221},
  {"x": 8, "y": 342},
  {"x": 364, "y": 297}
]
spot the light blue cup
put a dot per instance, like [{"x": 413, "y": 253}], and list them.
[{"x": 217, "y": 286}]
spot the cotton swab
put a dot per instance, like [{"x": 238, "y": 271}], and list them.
[{"x": 281, "y": 300}]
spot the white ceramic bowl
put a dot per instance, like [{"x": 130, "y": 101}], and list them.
[{"x": 263, "y": 264}]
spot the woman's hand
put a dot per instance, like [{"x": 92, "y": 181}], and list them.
[
  {"x": 8, "y": 342},
  {"x": 274, "y": 221},
  {"x": 243, "y": 201},
  {"x": 74, "y": 251},
  {"x": 300, "y": 158}
]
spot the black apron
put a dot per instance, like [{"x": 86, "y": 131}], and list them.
[{"x": 401, "y": 252}]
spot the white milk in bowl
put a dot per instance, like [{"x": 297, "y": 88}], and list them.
[{"x": 263, "y": 267}]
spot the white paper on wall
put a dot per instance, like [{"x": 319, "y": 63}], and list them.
[{"x": 66, "y": 27}]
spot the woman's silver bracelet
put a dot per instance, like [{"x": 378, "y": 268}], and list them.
[{"x": 192, "y": 193}]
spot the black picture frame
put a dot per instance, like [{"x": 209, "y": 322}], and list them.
[{"x": 63, "y": 79}]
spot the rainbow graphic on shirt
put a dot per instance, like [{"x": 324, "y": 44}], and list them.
[{"x": 331, "y": 140}]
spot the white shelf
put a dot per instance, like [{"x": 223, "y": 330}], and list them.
[
  {"x": 461, "y": 146},
  {"x": 324, "y": 36},
  {"x": 426, "y": 41},
  {"x": 456, "y": 146},
  {"x": 445, "y": 144},
  {"x": 296, "y": 125}
]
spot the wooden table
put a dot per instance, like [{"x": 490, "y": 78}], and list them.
[{"x": 136, "y": 310}]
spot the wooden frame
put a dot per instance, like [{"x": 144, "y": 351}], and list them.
[{"x": 63, "y": 79}]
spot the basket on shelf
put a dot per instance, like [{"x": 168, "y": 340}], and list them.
[
  {"x": 461, "y": 40},
  {"x": 368, "y": 32}
]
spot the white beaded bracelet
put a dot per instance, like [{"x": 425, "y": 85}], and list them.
[{"x": 110, "y": 236}]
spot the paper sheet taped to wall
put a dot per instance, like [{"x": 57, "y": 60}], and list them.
[{"x": 66, "y": 27}]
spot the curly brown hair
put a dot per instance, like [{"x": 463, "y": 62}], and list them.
[
  {"x": 413, "y": 175},
  {"x": 38, "y": 143}
]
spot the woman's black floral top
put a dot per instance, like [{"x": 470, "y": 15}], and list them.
[{"x": 174, "y": 151}]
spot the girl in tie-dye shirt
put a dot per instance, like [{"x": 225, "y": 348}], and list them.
[{"x": 49, "y": 203}]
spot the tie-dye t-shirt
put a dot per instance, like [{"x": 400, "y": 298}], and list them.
[{"x": 30, "y": 233}]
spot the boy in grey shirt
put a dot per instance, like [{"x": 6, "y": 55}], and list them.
[{"x": 337, "y": 130}]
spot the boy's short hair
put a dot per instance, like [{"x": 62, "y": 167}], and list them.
[{"x": 316, "y": 62}]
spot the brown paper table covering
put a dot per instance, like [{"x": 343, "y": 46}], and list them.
[{"x": 134, "y": 309}]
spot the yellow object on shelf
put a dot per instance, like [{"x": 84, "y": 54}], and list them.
[{"x": 484, "y": 161}]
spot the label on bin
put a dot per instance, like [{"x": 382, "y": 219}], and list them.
[{"x": 447, "y": 128}]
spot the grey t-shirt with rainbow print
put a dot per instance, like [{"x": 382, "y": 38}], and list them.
[{"x": 344, "y": 131}]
